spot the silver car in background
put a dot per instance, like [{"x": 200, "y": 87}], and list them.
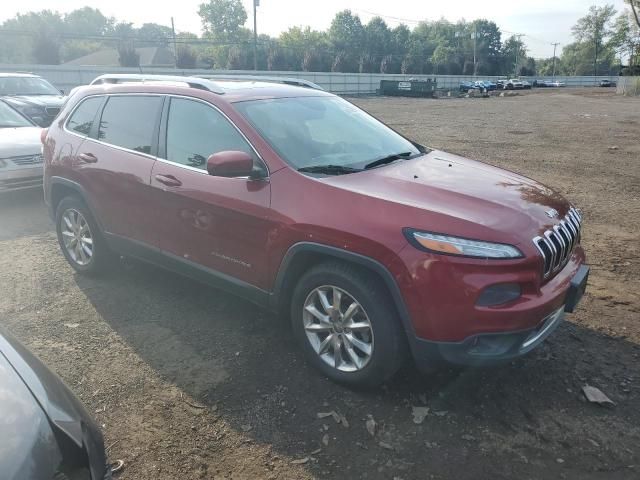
[{"x": 20, "y": 151}]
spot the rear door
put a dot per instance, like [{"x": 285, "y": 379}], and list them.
[
  {"x": 117, "y": 159},
  {"x": 215, "y": 222}
]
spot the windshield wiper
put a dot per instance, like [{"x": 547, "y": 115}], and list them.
[
  {"x": 329, "y": 169},
  {"x": 388, "y": 159}
]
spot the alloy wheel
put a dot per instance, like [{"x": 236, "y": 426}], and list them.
[
  {"x": 77, "y": 237},
  {"x": 338, "y": 328}
]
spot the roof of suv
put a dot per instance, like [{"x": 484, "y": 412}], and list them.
[{"x": 231, "y": 88}]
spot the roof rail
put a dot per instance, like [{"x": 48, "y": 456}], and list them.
[
  {"x": 193, "y": 82},
  {"x": 299, "y": 82}
]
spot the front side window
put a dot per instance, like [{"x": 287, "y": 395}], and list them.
[
  {"x": 195, "y": 131},
  {"x": 324, "y": 131},
  {"x": 81, "y": 120},
  {"x": 129, "y": 121}
]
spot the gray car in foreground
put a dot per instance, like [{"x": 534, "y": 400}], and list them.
[{"x": 45, "y": 432}]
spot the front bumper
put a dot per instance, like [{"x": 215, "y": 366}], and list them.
[
  {"x": 494, "y": 348},
  {"x": 487, "y": 349},
  {"x": 21, "y": 179}
]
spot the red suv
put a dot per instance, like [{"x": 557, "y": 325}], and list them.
[{"x": 379, "y": 248}]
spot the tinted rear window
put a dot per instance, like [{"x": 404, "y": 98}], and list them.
[
  {"x": 81, "y": 120},
  {"x": 130, "y": 121}
]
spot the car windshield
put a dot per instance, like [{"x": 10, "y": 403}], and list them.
[
  {"x": 26, "y": 86},
  {"x": 325, "y": 131},
  {"x": 9, "y": 118}
]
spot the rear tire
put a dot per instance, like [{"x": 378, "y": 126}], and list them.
[
  {"x": 80, "y": 238},
  {"x": 347, "y": 325}
]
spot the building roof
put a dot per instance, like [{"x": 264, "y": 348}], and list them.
[{"x": 156, "y": 56}]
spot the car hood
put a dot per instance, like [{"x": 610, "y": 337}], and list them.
[
  {"x": 36, "y": 100},
  {"x": 20, "y": 141},
  {"x": 443, "y": 185},
  {"x": 28, "y": 448},
  {"x": 64, "y": 412}
]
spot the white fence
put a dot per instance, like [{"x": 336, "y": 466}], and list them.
[{"x": 67, "y": 77}]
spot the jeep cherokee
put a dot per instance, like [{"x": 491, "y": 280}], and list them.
[{"x": 377, "y": 247}]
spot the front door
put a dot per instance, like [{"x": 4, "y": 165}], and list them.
[{"x": 218, "y": 223}]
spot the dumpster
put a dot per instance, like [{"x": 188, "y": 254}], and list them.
[{"x": 408, "y": 88}]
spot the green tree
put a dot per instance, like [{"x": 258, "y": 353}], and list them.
[
  {"x": 514, "y": 55},
  {"x": 37, "y": 36},
  {"x": 378, "y": 44},
  {"x": 635, "y": 10},
  {"x": 223, "y": 19},
  {"x": 625, "y": 39},
  {"x": 346, "y": 35},
  {"x": 186, "y": 57},
  {"x": 305, "y": 49},
  {"x": 594, "y": 28},
  {"x": 88, "y": 21},
  {"x": 128, "y": 56},
  {"x": 153, "y": 34}
]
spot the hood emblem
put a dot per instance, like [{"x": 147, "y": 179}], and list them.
[{"x": 552, "y": 213}]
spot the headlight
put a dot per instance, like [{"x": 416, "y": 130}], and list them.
[{"x": 448, "y": 245}]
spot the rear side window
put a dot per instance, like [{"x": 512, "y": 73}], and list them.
[
  {"x": 196, "y": 130},
  {"x": 129, "y": 122},
  {"x": 81, "y": 120}
]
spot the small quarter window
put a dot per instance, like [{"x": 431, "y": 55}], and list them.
[{"x": 81, "y": 120}]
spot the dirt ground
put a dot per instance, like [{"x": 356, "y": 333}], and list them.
[{"x": 190, "y": 383}]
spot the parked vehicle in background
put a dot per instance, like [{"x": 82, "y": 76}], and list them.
[
  {"x": 514, "y": 84},
  {"x": 46, "y": 432},
  {"x": 466, "y": 86},
  {"x": 376, "y": 246},
  {"x": 608, "y": 83},
  {"x": 556, "y": 83},
  {"x": 500, "y": 84},
  {"x": 32, "y": 95},
  {"x": 526, "y": 85},
  {"x": 540, "y": 84},
  {"x": 486, "y": 85},
  {"x": 20, "y": 151}
]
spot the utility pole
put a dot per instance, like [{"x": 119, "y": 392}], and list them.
[
  {"x": 555, "y": 45},
  {"x": 475, "y": 41},
  {"x": 518, "y": 42},
  {"x": 256, "y": 3},
  {"x": 175, "y": 47},
  {"x": 595, "y": 60}
]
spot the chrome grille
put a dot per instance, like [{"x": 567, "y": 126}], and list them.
[
  {"x": 25, "y": 160},
  {"x": 557, "y": 244}
]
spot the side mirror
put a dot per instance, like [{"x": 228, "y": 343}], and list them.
[{"x": 230, "y": 163}]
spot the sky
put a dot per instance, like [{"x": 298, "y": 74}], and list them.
[{"x": 542, "y": 21}]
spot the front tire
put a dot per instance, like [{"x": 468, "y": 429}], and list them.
[
  {"x": 347, "y": 325},
  {"x": 79, "y": 237}
]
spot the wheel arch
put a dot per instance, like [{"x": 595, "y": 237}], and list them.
[
  {"x": 62, "y": 187},
  {"x": 302, "y": 256}
]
